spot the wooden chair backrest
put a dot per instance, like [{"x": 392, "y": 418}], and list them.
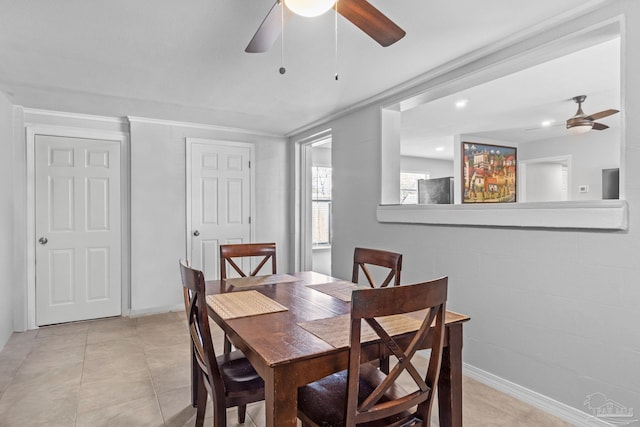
[
  {"x": 265, "y": 250},
  {"x": 195, "y": 305},
  {"x": 391, "y": 260},
  {"x": 369, "y": 304}
]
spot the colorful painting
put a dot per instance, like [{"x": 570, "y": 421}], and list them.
[{"x": 489, "y": 173}]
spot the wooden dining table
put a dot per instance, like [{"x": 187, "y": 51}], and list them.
[{"x": 276, "y": 337}]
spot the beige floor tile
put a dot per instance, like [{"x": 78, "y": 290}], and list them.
[
  {"x": 176, "y": 407},
  {"x": 114, "y": 348},
  {"x": 109, "y": 334},
  {"x": 135, "y": 372},
  {"x": 142, "y": 412},
  {"x": 27, "y": 406},
  {"x": 41, "y": 360},
  {"x": 51, "y": 343},
  {"x": 169, "y": 355},
  {"x": 131, "y": 366},
  {"x": 114, "y": 391},
  {"x": 162, "y": 339},
  {"x": 75, "y": 328},
  {"x": 171, "y": 377},
  {"x": 112, "y": 323}
]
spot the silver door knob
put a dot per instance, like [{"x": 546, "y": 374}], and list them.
[
  {"x": 196, "y": 233},
  {"x": 43, "y": 240}
]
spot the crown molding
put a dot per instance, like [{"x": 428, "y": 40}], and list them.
[
  {"x": 78, "y": 116},
  {"x": 146, "y": 120}
]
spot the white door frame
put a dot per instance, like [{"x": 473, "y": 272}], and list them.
[
  {"x": 522, "y": 173},
  {"x": 303, "y": 255},
  {"x": 64, "y": 131},
  {"x": 252, "y": 182}
]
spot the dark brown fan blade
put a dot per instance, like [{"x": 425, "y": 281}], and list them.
[
  {"x": 599, "y": 126},
  {"x": 601, "y": 114},
  {"x": 370, "y": 20},
  {"x": 269, "y": 30}
]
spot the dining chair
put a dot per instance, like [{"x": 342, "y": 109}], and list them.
[
  {"x": 265, "y": 251},
  {"x": 385, "y": 259},
  {"x": 388, "y": 260},
  {"x": 229, "y": 378},
  {"x": 362, "y": 394}
]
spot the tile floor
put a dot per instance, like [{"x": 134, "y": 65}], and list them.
[{"x": 134, "y": 372}]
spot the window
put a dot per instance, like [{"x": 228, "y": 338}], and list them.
[
  {"x": 409, "y": 187},
  {"x": 321, "y": 205}
]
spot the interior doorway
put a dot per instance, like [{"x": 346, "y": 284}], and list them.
[
  {"x": 313, "y": 213},
  {"x": 545, "y": 180},
  {"x": 321, "y": 218}
]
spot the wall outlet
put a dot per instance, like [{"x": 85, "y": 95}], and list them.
[{"x": 583, "y": 189}]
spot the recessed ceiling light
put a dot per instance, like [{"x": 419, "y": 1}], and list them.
[
  {"x": 462, "y": 103},
  {"x": 439, "y": 148},
  {"x": 547, "y": 123}
]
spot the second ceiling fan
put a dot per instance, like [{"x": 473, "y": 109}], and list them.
[
  {"x": 359, "y": 12},
  {"x": 582, "y": 122}
]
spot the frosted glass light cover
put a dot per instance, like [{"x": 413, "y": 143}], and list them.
[
  {"x": 580, "y": 128},
  {"x": 309, "y": 8}
]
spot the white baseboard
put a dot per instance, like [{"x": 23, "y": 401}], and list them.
[
  {"x": 155, "y": 310},
  {"x": 535, "y": 399}
]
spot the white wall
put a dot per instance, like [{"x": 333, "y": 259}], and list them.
[
  {"x": 158, "y": 213},
  {"x": 436, "y": 168},
  {"x": 158, "y": 206},
  {"x": 6, "y": 220},
  {"x": 590, "y": 153},
  {"x": 544, "y": 183},
  {"x": 554, "y": 311}
]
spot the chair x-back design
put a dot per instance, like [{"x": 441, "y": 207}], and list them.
[
  {"x": 265, "y": 250},
  {"x": 391, "y": 260},
  {"x": 363, "y": 395}
]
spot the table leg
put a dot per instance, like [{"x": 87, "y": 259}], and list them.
[
  {"x": 450, "y": 381},
  {"x": 281, "y": 398}
]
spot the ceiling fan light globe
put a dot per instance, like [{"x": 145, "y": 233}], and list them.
[
  {"x": 581, "y": 128},
  {"x": 309, "y": 8}
]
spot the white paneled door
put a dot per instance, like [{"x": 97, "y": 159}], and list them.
[
  {"x": 78, "y": 229},
  {"x": 219, "y": 186}
]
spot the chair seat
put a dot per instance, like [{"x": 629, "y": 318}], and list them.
[
  {"x": 238, "y": 374},
  {"x": 324, "y": 401}
]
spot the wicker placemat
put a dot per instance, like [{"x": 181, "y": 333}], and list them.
[
  {"x": 335, "y": 330},
  {"x": 341, "y": 289},
  {"x": 250, "y": 281},
  {"x": 242, "y": 304}
]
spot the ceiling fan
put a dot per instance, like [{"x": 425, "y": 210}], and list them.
[
  {"x": 582, "y": 122},
  {"x": 359, "y": 12}
]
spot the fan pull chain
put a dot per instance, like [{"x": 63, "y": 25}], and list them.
[
  {"x": 336, "y": 36},
  {"x": 282, "y": 70}
]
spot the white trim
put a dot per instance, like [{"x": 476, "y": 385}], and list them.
[
  {"x": 535, "y": 399},
  {"x": 252, "y": 183},
  {"x": 31, "y": 130},
  {"x": 303, "y": 255},
  {"x": 78, "y": 116},
  {"x": 156, "y": 310},
  {"x": 200, "y": 126},
  {"x": 597, "y": 214}
]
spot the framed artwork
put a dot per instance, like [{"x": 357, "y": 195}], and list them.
[{"x": 489, "y": 173}]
